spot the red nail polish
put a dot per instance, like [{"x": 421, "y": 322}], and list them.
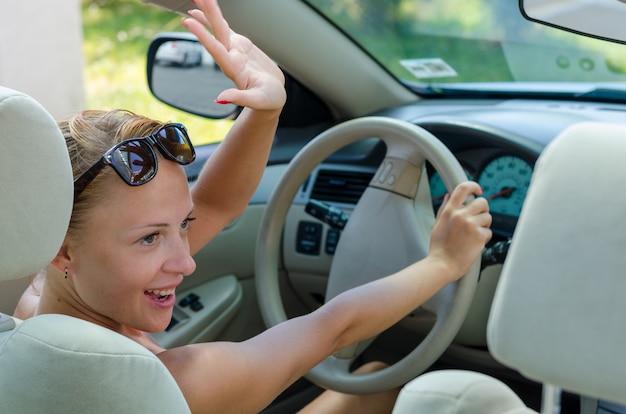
[{"x": 222, "y": 101}]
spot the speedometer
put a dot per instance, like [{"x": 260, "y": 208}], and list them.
[{"x": 505, "y": 180}]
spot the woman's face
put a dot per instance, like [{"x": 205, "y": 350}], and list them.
[{"x": 134, "y": 251}]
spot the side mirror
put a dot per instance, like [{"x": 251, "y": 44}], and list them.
[
  {"x": 182, "y": 74},
  {"x": 601, "y": 19}
]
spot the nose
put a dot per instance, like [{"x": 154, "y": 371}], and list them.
[
  {"x": 180, "y": 260},
  {"x": 188, "y": 264}
]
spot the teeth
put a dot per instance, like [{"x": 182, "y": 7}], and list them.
[{"x": 161, "y": 292}]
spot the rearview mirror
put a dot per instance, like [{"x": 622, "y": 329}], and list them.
[
  {"x": 602, "y": 19},
  {"x": 182, "y": 74}
]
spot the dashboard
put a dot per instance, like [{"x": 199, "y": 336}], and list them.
[{"x": 501, "y": 164}]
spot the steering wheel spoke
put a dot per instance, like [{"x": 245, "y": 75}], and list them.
[
  {"x": 399, "y": 176},
  {"x": 381, "y": 237}
]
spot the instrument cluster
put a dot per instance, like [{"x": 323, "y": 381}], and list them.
[{"x": 504, "y": 178}]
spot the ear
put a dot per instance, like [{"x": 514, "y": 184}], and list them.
[{"x": 62, "y": 260}]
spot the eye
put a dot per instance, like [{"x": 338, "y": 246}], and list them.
[
  {"x": 149, "y": 239},
  {"x": 185, "y": 224}
]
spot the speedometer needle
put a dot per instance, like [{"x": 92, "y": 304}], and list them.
[{"x": 505, "y": 192}]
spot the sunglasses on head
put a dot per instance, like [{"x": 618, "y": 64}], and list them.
[{"x": 134, "y": 159}]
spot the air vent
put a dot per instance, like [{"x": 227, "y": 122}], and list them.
[{"x": 340, "y": 186}]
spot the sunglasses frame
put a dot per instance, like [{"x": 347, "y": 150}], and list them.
[{"x": 148, "y": 142}]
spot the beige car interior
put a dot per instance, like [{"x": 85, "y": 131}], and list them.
[
  {"x": 558, "y": 308},
  {"x": 56, "y": 363}
]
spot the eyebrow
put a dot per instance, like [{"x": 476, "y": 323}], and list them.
[{"x": 160, "y": 225}]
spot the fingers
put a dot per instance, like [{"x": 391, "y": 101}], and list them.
[
  {"x": 211, "y": 16},
  {"x": 463, "y": 192},
  {"x": 483, "y": 219},
  {"x": 463, "y": 202},
  {"x": 218, "y": 40},
  {"x": 483, "y": 223},
  {"x": 201, "y": 17},
  {"x": 198, "y": 26}
]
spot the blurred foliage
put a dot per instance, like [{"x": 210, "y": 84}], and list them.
[
  {"x": 109, "y": 24},
  {"x": 117, "y": 34}
]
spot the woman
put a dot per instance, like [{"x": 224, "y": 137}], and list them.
[{"x": 134, "y": 229}]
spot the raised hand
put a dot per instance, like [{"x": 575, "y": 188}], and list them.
[{"x": 259, "y": 82}]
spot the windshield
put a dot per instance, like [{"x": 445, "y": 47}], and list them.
[{"x": 440, "y": 46}]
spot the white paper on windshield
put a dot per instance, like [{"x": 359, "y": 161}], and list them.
[{"x": 428, "y": 68}]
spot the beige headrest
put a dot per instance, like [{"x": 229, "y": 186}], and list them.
[
  {"x": 36, "y": 186},
  {"x": 558, "y": 312}
]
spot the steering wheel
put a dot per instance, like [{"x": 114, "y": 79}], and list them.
[{"x": 388, "y": 230}]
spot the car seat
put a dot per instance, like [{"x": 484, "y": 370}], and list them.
[
  {"x": 56, "y": 363},
  {"x": 558, "y": 312}
]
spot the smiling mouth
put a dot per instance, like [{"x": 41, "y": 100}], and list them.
[{"x": 159, "y": 295}]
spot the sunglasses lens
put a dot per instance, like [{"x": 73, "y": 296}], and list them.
[
  {"x": 135, "y": 162},
  {"x": 174, "y": 140}
]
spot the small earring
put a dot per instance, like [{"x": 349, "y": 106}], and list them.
[{"x": 65, "y": 273}]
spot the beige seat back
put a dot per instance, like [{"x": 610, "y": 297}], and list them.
[
  {"x": 560, "y": 305},
  {"x": 56, "y": 363}
]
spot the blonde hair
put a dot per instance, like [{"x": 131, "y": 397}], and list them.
[{"x": 88, "y": 135}]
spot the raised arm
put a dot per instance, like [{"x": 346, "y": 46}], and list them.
[
  {"x": 246, "y": 376},
  {"x": 233, "y": 172}
]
